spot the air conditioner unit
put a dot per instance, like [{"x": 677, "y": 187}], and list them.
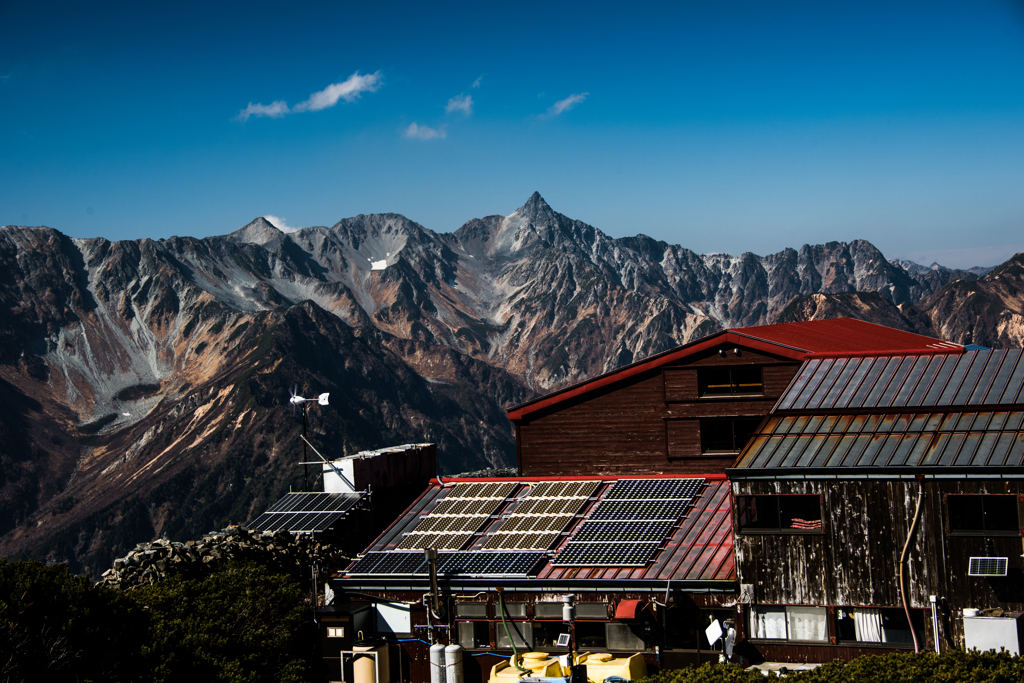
[{"x": 988, "y": 566}]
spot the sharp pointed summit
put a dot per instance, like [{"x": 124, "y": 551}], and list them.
[{"x": 535, "y": 207}]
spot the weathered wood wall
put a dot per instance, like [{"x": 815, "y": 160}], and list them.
[
  {"x": 855, "y": 560},
  {"x": 646, "y": 423}
]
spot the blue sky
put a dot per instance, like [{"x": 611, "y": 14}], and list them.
[{"x": 721, "y": 126}]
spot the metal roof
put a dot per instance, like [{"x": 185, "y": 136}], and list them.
[
  {"x": 798, "y": 341},
  {"x": 698, "y": 548},
  {"x": 959, "y": 411},
  {"x": 306, "y": 512},
  {"x": 975, "y": 378}
]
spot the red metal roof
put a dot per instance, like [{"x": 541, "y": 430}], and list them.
[
  {"x": 698, "y": 549},
  {"x": 841, "y": 336},
  {"x": 799, "y": 341}
]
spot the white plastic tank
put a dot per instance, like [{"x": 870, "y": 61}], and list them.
[
  {"x": 437, "y": 663},
  {"x": 453, "y": 664}
]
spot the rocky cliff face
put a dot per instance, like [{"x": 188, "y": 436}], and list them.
[{"x": 144, "y": 383}]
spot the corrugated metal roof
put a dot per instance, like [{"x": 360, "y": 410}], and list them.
[
  {"x": 699, "y": 547},
  {"x": 897, "y": 411},
  {"x": 975, "y": 378}
]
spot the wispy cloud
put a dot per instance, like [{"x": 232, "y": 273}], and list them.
[
  {"x": 280, "y": 224},
  {"x": 349, "y": 90},
  {"x": 567, "y": 104},
  {"x": 274, "y": 110},
  {"x": 476, "y": 83},
  {"x": 418, "y": 132},
  {"x": 463, "y": 103}
]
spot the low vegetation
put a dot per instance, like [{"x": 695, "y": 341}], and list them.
[
  {"x": 241, "y": 624},
  {"x": 955, "y": 666}
]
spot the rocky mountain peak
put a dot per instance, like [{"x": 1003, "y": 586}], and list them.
[
  {"x": 536, "y": 210},
  {"x": 259, "y": 231}
]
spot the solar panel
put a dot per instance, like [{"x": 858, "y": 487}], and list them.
[
  {"x": 627, "y": 532},
  {"x": 636, "y": 510},
  {"x": 306, "y": 512},
  {"x": 606, "y": 555},
  {"x": 654, "y": 489}
]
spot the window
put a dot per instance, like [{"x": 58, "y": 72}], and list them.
[
  {"x": 789, "y": 623},
  {"x": 548, "y": 610},
  {"x": 474, "y": 635},
  {"x": 545, "y": 634},
  {"x": 877, "y": 625},
  {"x": 796, "y": 514},
  {"x": 471, "y": 610},
  {"x": 987, "y": 515},
  {"x": 514, "y": 610},
  {"x": 728, "y": 435},
  {"x": 623, "y": 637},
  {"x": 521, "y": 632},
  {"x": 730, "y": 381},
  {"x": 335, "y": 631}
]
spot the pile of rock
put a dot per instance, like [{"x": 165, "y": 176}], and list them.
[{"x": 279, "y": 551}]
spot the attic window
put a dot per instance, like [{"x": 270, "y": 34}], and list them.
[
  {"x": 983, "y": 515},
  {"x": 730, "y": 381},
  {"x": 791, "y": 514}
]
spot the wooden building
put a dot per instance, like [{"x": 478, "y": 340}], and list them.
[
  {"x": 691, "y": 409},
  {"x": 649, "y": 561},
  {"x": 860, "y": 455}
]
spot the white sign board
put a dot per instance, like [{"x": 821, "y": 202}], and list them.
[{"x": 394, "y": 617}]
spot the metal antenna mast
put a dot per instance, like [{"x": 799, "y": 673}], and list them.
[{"x": 296, "y": 400}]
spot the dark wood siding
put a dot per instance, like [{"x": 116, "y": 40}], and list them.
[
  {"x": 680, "y": 384},
  {"x": 627, "y": 427},
  {"x": 683, "y": 438}
]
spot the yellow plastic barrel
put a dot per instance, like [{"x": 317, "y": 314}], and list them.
[
  {"x": 601, "y": 665},
  {"x": 538, "y": 664}
]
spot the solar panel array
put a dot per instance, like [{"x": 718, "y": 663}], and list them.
[
  {"x": 452, "y": 523},
  {"x": 306, "y": 512},
  {"x": 628, "y": 526},
  {"x": 459, "y": 563},
  {"x": 542, "y": 516}
]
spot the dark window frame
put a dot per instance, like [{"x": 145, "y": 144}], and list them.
[
  {"x": 753, "y": 422},
  {"x": 956, "y": 518},
  {"x": 742, "y": 507},
  {"x": 730, "y": 381}
]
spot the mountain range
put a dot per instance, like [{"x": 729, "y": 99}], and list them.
[{"x": 144, "y": 384}]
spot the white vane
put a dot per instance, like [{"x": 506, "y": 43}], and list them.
[{"x": 297, "y": 400}]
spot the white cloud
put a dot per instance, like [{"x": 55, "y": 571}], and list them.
[
  {"x": 280, "y": 224},
  {"x": 349, "y": 90},
  {"x": 567, "y": 104},
  {"x": 274, "y": 110},
  {"x": 418, "y": 132},
  {"x": 476, "y": 83},
  {"x": 463, "y": 103}
]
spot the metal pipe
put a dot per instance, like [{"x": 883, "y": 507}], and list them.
[
  {"x": 935, "y": 622},
  {"x": 903, "y": 561}
]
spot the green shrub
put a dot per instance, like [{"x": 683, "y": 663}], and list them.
[
  {"x": 955, "y": 666},
  {"x": 243, "y": 625},
  {"x": 55, "y": 626}
]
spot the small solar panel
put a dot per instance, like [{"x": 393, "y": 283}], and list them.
[{"x": 987, "y": 566}]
